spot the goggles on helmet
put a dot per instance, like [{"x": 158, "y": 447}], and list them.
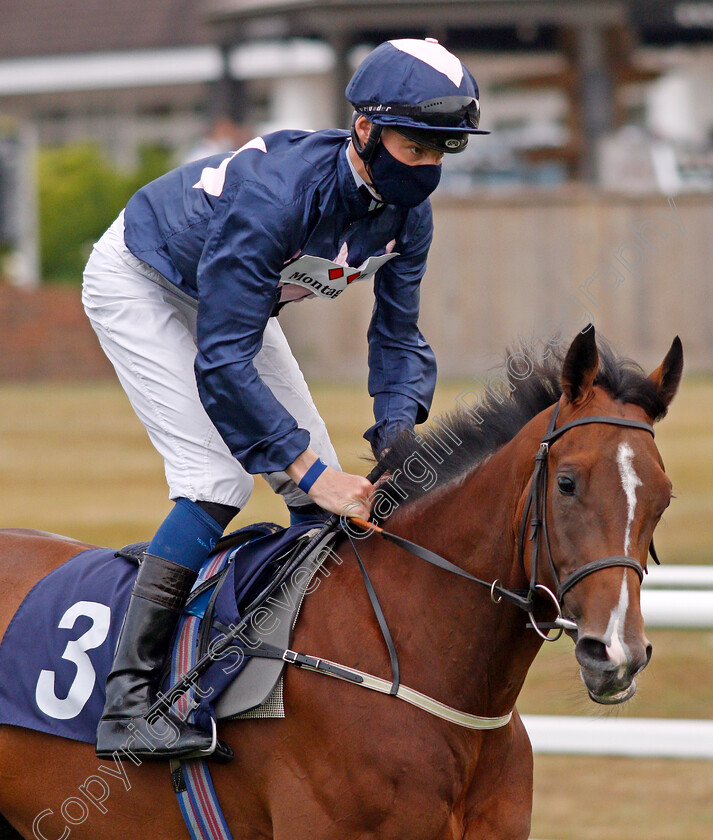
[
  {"x": 444, "y": 142},
  {"x": 443, "y": 113}
]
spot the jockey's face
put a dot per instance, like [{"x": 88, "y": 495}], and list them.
[
  {"x": 401, "y": 172},
  {"x": 404, "y": 150}
]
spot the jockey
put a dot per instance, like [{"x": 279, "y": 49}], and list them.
[{"x": 184, "y": 290}]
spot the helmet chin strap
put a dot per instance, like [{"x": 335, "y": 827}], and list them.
[{"x": 365, "y": 152}]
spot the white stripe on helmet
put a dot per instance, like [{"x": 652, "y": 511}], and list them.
[{"x": 434, "y": 55}]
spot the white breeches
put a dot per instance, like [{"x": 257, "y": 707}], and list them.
[{"x": 147, "y": 328}]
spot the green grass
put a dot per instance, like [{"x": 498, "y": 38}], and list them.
[
  {"x": 583, "y": 798},
  {"x": 74, "y": 460}
]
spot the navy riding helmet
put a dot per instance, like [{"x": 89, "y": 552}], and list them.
[{"x": 419, "y": 89}]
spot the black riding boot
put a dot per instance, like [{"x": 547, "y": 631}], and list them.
[{"x": 160, "y": 591}]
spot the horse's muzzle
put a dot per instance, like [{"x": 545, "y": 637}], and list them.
[{"x": 610, "y": 681}]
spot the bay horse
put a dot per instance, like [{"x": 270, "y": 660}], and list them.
[{"x": 347, "y": 763}]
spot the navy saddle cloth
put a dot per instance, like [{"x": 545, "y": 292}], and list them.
[{"x": 58, "y": 649}]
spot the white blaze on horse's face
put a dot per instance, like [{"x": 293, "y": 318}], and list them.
[
  {"x": 629, "y": 481},
  {"x": 617, "y": 650}
]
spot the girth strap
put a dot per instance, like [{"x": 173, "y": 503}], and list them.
[
  {"x": 191, "y": 779},
  {"x": 365, "y": 680}
]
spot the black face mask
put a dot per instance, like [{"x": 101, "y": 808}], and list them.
[{"x": 400, "y": 184}]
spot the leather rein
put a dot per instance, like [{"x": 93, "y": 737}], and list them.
[{"x": 534, "y": 514}]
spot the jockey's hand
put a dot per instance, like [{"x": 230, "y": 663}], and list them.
[
  {"x": 343, "y": 493},
  {"x": 334, "y": 491}
]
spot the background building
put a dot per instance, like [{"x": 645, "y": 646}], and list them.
[
  {"x": 600, "y": 110},
  {"x": 556, "y": 78}
]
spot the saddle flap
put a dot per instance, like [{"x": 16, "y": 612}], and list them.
[{"x": 253, "y": 680}]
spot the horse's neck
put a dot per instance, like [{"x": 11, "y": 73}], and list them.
[{"x": 453, "y": 641}]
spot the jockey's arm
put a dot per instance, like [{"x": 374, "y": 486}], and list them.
[
  {"x": 402, "y": 366},
  {"x": 237, "y": 282}
]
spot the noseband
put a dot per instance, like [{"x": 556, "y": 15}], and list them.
[{"x": 536, "y": 512}]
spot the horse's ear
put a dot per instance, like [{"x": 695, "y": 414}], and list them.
[
  {"x": 580, "y": 366},
  {"x": 667, "y": 376}
]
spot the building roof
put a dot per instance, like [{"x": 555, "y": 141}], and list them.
[
  {"x": 447, "y": 11},
  {"x": 285, "y": 6},
  {"x": 32, "y": 28},
  {"x": 352, "y": 21}
]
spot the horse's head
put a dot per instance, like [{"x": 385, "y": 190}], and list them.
[{"x": 606, "y": 490}]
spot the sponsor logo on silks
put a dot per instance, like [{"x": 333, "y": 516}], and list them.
[{"x": 326, "y": 278}]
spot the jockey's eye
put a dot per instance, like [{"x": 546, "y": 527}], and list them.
[
  {"x": 566, "y": 485},
  {"x": 421, "y": 153}
]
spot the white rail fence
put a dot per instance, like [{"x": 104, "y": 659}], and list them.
[
  {"x": 632, "y": 738},
  {"x": 673, "y": 597},
  {"x": 678, "y": 597}
]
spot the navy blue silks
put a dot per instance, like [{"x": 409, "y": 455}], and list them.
[{"x": 228, "y": 229}]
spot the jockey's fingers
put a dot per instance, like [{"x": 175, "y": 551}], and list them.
[
  {"x": 336, "y": 492},
  {"x": 358, "y": 508},
  {"x": 363, "y": 488}
]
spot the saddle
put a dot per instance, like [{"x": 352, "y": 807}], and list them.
[{"x": 246, "y": 574}]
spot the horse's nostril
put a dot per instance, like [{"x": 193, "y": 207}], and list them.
[{"x": 591, "y": 652}]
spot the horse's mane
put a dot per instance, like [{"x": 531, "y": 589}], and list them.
[{"x": 502, "y": 411}]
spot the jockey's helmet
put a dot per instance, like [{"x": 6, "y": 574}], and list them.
[{"x": 419, "y": 89}]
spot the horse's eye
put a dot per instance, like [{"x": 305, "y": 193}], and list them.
[{"x": 566, "y": 485}]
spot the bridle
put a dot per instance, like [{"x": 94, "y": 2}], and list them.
[{"x": 536, "y": 512}]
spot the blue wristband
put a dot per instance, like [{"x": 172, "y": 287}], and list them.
[{"x": 312, "y": 474}]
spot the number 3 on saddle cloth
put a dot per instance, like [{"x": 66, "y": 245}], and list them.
[{"x": 58, "y": 649}]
